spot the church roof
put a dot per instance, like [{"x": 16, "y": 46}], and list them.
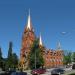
[
  {"x": 29, "y": 23},
  {"x": 58, "y": 46}
]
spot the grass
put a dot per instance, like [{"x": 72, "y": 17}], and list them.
[{"x": 72, "y": 74}]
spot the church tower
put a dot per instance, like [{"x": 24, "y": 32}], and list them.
[
  {"x": 43, "y": 49},
  {"x": 58, "y": 46},
  {"x": 27, "y": 40},
  {"x": 40, "y": 41}
]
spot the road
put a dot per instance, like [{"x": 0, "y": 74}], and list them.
[{"x": 67, "y": 72}]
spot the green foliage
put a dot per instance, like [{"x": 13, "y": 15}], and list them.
[
  {"x": 10, "y": 51},
  {"x": 12, "y": 59},
  {"x": 67, "y": 58},
  {"x": 9, "y": 59},
  {"x": 73, "y": 56},
  {"x": 0, "y": 54},
  {"x": 35, "y": 52},
  {"x": 1, "y": 59},
  {"x": 72, "y": 74}
]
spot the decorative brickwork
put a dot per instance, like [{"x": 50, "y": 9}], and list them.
[
  {"x": 27, "y": 41},
  {"x": 52, "y": 58}
]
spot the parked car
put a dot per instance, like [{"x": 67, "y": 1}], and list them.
[
  {"x": 3, "y": 73},
  {"x": 57, "y": 71},
  {"x": 38, "y": 71},
  {"x": 18, "y": 73},
  {"x": 8, "y": 72},
  {"x": 73, "y": 66}
]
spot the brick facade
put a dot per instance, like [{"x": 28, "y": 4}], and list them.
[{"x": 53, "y": 58}]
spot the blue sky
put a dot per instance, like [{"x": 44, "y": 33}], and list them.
[{"x": 50, "y": 17}]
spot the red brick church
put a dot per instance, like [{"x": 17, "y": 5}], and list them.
[{"x": 53, "y": 58}]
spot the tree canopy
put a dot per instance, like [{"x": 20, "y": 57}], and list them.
[
  {"x": 67, "y": 57},
  {"x": 35, "y": 57},
  {"x": 12, "y": 59},
  {"x": 1, "y": 59}
]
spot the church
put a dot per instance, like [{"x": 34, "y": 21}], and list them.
[{"x": 53, "y": 58}]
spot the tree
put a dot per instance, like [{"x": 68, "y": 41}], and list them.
[
  {"x": 73, "y": 56},
  {"x": 12, "y": 59},
  {"x": 67, "y": 58},
  {"x": 0, "y": 54},
  {"x": 15, "y": 60},
  {"x": 35, "y": 57},
  {"x": 1, "y": 59},
  {"x": 10, "y": 50},
  {"x": 9, "y": 59}
]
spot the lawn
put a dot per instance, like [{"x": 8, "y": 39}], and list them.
[{"x": 72, "y": 74}]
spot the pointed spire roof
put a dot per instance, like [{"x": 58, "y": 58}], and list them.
[
  {"x": 58, "y": 46},
  {"x": 29, "y": 24},
  {"x": 40, "y": 40}
]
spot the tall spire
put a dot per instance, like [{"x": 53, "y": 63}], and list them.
[
  {"x": 58, "y": 46},
  {"x": 40, "y": 40},
  {"x": 29, "y": 21}
]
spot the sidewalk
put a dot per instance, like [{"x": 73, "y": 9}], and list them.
[{"x": 69, "y": 72}]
